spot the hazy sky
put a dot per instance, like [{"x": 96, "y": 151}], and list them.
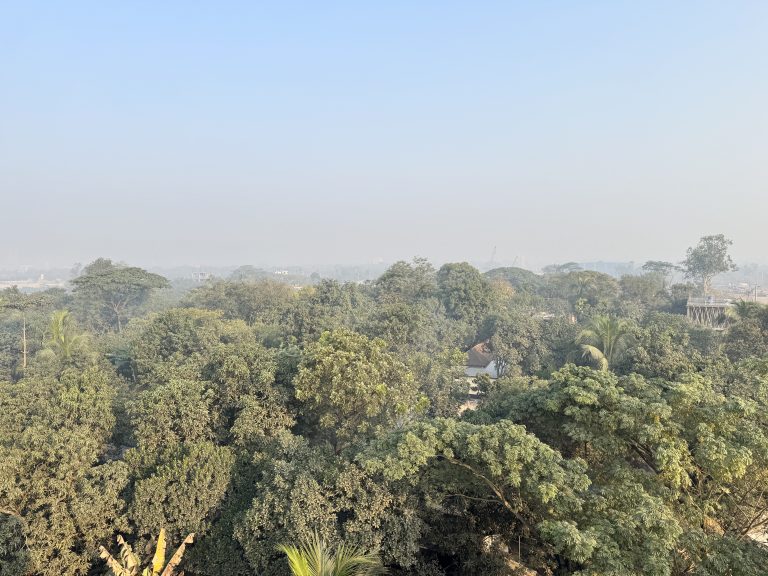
[{"x": 252, "y": 132}]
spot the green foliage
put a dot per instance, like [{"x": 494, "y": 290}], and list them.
[
  {"x": 708, "y": 259},
  {"x": 259, "y": 414},
  {"x": 407, "y": 283},
  {"x": 661, "y": 269},
  {"x": 406, "y": 327},
  {"x": 441, "y": 378},
  {"x": 748, "y": 335},
  {"x": 62, "y": 424},
  {"x": 24, "y": 320},
  {"x": 63, "y": 338},
  {"x": 604, "y": 341},
  {"x": 352, "y": 388},
  {"x": 306, "y": 490},
  {"x": 566, "y": 268},
  {"x": 588, "y": 292},
  {"x": 173, "y": 414},
  {"x": 646, "y": 292},
  {"x": 180, "y": 343},
  {"x": 464, "y": 292},
  {"x": 110, "y": 293},
  {"x": 248, "y": 273},
  {"x": 517, "y": 342},
  {"x": 688, "y": 456},
  {"x": 14, "y": 557},
  {"x": 328, "y": 306},
  {"x": 521, "y": 486},
  {"x": 316, "y": 558},
  {"x": 265, "y": 302},
  {"x": 518, "y": 278},
  {"x": 662, "y": 347},
  {"x": 184, "y": 490}
]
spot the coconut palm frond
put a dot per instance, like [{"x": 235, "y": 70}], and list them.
[
  {"x": 604, "y": 341},
  {"x": 594, "y": 354},
  {"x": 63, "y": 338},
  {"x": 354, "y": 562},
  {"x": 316, "y": 558},
  {"x": 309, "y": 559}
]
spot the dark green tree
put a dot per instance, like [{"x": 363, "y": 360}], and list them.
[
  {"x": 351, "y": 388},
  {"x": 407, "y": 282},
  {"x": 109, "y": 294},
  {"x": 56, "y": 477},
  {"x": 503, "y": 479},
  {"x": 464, "y": 292},
  {"x": 14, "y": 556}
]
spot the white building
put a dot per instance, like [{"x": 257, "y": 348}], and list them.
[{"x": 480, "y": 361}]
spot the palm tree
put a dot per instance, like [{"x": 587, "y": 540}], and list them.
[
  {"x": 129, "y": 563},
  {"x": 604, "y": 340},
  {"x": 63, "y": 339},
  {"x": 315, "y": 558}
]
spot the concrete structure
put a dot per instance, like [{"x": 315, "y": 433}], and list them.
[{"x": 709, "y": 311}]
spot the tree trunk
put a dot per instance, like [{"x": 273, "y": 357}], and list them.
[
  {"x": 116, "y": 308},
  {"x": 24, "y": 341}
]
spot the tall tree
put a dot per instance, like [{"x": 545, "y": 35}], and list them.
[
  {"x": 111, "y": 292},
  {"x": 520, "y": 279},
  {"x": 516, "y": 341},
  {"x": 566, "y": 268},
  {"x": 465, "y": 293},
  {"x": 23, "y": 305},
  {"x": 604, "y": 340},
  {"x": 708, "y": 259},
  {"x": 406, "y": 282},
  {"x": 663, "y": 269},
  {"x": 352, "y": 387}
]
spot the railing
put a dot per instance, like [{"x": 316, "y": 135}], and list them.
[{"x": 709, "y": 301}]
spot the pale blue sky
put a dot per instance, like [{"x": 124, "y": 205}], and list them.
[{"x": 300, "y": 132}]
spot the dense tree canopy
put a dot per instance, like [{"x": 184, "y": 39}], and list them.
[
  {"x": 619, "y": 438},
  {"x": 354, "y": 388}
]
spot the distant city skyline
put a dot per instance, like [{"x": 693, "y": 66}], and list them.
[{"x": 321, "y": 133}]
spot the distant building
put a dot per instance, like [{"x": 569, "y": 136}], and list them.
[
  {"x": 480, "y": 361},
  {"x": 201, "y": 276}
]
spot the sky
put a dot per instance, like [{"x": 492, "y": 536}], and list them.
[{"x": 190, "y": 132}]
